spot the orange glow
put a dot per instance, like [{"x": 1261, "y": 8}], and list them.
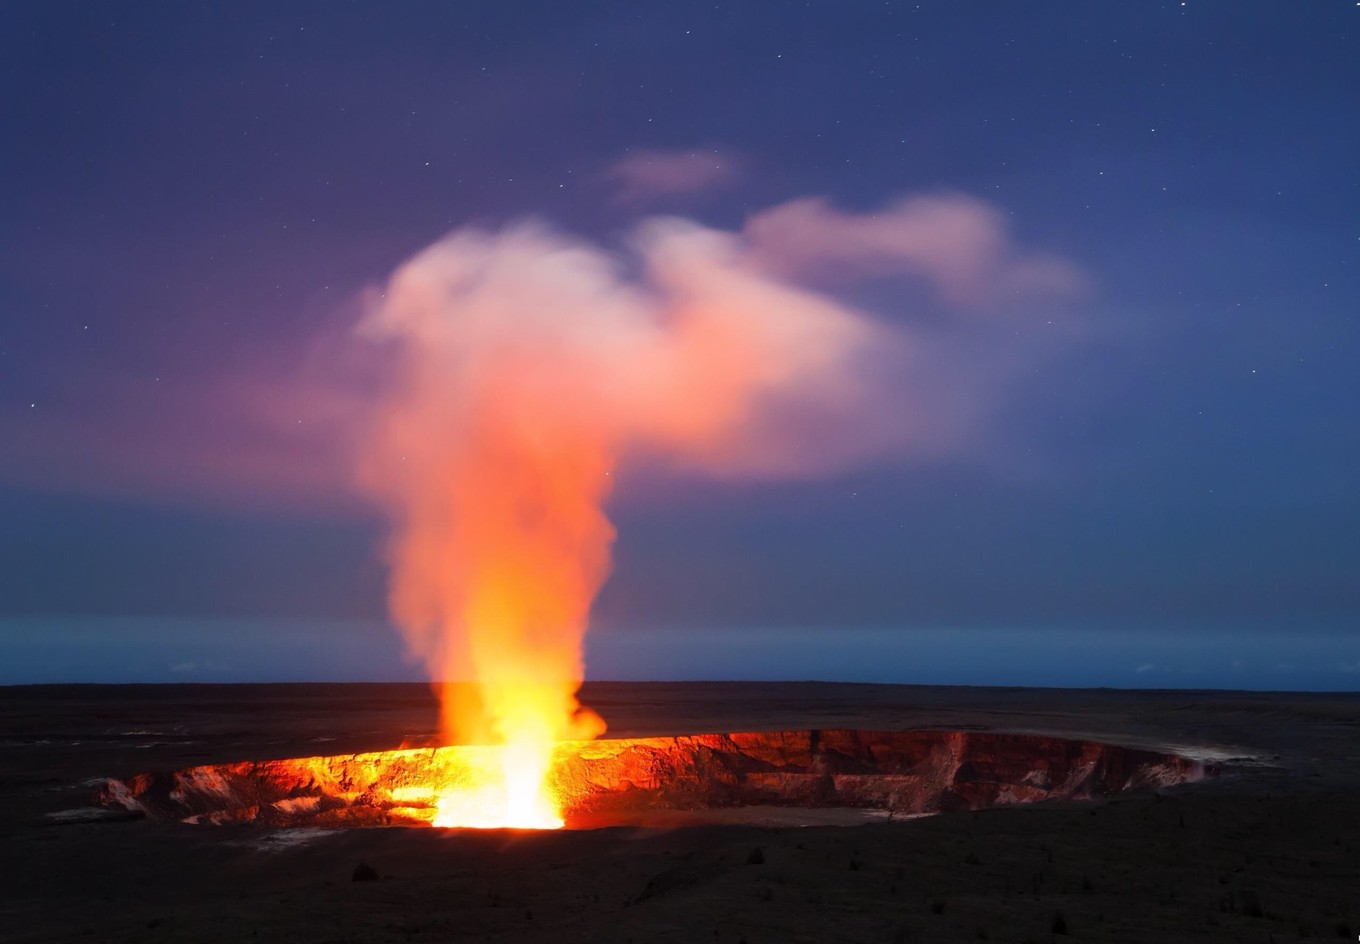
[
  {"x": 527, "y": 366},
  {"x": 615, "y": 781},
  {"x": 512, "y": 792},
  {"x": 517, "y": 537}
]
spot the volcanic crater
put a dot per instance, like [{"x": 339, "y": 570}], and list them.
[{"x": 654, "y": 780}]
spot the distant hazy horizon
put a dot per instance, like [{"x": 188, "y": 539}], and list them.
[{"x": 1261, "y": 658}]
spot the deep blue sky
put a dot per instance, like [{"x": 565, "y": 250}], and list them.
[{"x": 189, "y": 195}]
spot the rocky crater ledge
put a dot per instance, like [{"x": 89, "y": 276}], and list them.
[{"x": 624, "y": 780}]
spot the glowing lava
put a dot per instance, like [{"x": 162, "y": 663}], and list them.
[{"x": 505, "y": 786}]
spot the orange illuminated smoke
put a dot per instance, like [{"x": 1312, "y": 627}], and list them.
[{"x": 526, "y": 366}]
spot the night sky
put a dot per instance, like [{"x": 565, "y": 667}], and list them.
[{"x": 1144, "y": 477}]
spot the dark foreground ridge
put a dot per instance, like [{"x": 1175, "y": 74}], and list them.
[
  {"x": 611, "y": 781},
  {"x": 1267, "y": 848}
]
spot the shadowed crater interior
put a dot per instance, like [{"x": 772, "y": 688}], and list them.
[{"x": 641, "y": 780}]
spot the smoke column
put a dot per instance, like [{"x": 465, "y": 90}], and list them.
[{"x": 529, "y": 365}]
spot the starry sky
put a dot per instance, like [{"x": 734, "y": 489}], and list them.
[{"x": 1150, "y": 474}]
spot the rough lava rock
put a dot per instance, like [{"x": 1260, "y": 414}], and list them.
[{"x": 614, "y": 780}]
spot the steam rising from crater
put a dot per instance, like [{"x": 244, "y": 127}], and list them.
[{"x": 531, "y": 367}]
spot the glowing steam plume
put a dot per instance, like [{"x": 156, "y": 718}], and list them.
[{"x": 528, "y": 366}]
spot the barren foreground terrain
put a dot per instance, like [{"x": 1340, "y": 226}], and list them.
[{"x": 1268, "y": 850}]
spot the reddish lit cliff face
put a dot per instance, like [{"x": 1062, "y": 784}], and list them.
[{"x": 624, "y": 780}]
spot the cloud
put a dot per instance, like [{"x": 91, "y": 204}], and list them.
[
  {"x": 960, "y": 244},
  {"x": 645, "y": 175}
]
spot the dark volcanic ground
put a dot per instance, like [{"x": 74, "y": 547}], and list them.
[{"x": 1270, "y": 850}]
